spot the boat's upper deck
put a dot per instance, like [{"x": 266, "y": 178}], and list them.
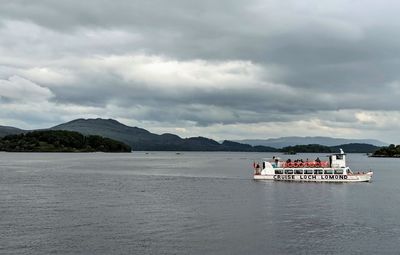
[{"x": 335, "y": 161}]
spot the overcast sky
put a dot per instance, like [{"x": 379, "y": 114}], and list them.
[{"x": 226, "y": 69}]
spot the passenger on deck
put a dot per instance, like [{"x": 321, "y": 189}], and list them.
[{"x": 318, "y": 160}]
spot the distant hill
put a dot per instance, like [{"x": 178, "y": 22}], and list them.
[
  {"x": 60, "y": 141},
  {"x": 356, "y": 148},
  {"x": 141, "y": 139},
  {"x": 4, "y": 130},
  {"x": 317, "y": 148},
  {"x": 297, "y": 140},
  {"x": 109, "y": 128}
]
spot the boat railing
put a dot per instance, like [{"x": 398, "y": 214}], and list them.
[{"x": 309, "y": 164}]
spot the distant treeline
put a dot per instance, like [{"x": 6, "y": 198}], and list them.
[
  {"x": 317, "y": 148},
  {"x": 60, "y": 141},
  {"x": 389, "y": 151}
]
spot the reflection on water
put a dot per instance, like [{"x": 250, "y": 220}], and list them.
[{"x": 189, "y": 203}]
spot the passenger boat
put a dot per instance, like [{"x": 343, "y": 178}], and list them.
[{"x": 334, "y": 170}]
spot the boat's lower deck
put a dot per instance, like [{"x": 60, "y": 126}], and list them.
[{"x": 316, "y": 177}]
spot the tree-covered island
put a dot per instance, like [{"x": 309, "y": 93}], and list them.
[
  {"x": 60, "y": 141},
  {"x": 392, "y": 151}
]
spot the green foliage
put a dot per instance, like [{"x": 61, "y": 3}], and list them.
[
  {"x": 60, "y": 141},
  {"x": 390, "y": 151}
]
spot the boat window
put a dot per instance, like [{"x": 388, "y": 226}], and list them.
[
  {"x": 328, "y": 171},
  {"x": 318, "y": 171},
  {"x": 263, "y": 165},
  {"x": 289, "y": 171},
  {"x": 308, "y": 171},
  {"x": 278, "y": 171},
  {"x": 338, "y": 171},
  {"x": 298, "y": 171}
]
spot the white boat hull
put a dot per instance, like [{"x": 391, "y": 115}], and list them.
[{"x": 316, "y": 177}]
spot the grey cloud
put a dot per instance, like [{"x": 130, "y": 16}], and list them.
[
  {"x": 337, "y": 56},
  {"x": 200, "y": 105},
  {"x": 315, "y": 50}
]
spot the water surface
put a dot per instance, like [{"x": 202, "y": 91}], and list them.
[{"x": 189, "y": 203}]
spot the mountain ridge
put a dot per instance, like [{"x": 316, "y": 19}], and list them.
[
  {"x": 7, "y": 130},
  {"x": 142, "y": 139},
  {"x": 281, "y": 142}
]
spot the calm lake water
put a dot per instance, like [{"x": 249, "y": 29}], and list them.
[{"x": 190, "y": 203}]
